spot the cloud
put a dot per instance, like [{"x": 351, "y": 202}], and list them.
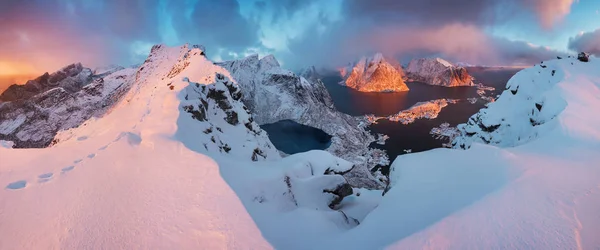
[
  {"x": 473, "y": 12},
  {"x": 455, "y": 42},
  {"x": 49, "y": 34},
  {"x": 586, "y": 42},
  {"x": 550, "y": 12}
]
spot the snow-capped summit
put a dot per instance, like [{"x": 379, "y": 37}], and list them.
[
  {"x": 374, "y": 74},
  {"x": 163, "y": 163},
  {"x": 437, "y": 71}
]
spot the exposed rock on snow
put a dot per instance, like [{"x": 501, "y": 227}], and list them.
[
  {"x": 445, "y": 132},
  {"x": 36, "y": 111},
  {"x": 228, "y": 126},
  {"x": 421, "y": 110},
  {"x": 523, "y": 112},
  {"x": 273, "y": 94},
  {"x": 584, "y": 57},
  {"x": 437, "y": 71},
  {"x": 374, "y": 74}
]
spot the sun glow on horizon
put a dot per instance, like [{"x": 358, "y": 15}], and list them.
[{"x": 16, "y": 69}]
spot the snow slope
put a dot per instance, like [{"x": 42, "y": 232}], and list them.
[
  {"x": 543, "y": 194},
  {"x": 149, "y": 175}
]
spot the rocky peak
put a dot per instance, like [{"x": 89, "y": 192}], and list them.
[
  {"x": 374, "y": 74},
  {"x": 71, "y": 78},
  {"x": 311, "y": 74},
  {"x": 437, "y": 71},
  {"x": 268, "y": 62},
  {"x": 584, "y": 57}
]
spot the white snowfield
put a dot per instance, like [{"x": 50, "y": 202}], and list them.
[{"x": 140, "y": 178}]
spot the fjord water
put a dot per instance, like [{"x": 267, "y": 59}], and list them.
[
  {"x": 416, "y": 136},
  {"x": 291, "y": 137}
]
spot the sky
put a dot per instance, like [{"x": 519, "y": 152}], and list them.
[{"x": 44, "y": 35}]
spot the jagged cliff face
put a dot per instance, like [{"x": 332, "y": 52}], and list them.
[
  {"x": 274, "y": 94},
  {"x": 70, "y": 78},
  {"x": 437, "y": 71},
  {"x": 374, "y": 74},
  {"x": 32, "y": 114}
]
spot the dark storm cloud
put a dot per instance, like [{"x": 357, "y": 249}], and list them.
[
  {"x": 475, "y": 12},
  {"x": 428, "y": 12},
  {"x": 586, "y": 42}
]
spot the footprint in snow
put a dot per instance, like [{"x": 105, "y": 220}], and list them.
[
  {"x": 45, "y": 177},
  {"x": 17, "y": 184},
  {"x": 92, "y": 155},
  {"x": 82, "y": 138},
  {"x": 103, "y": 148},
  {"x": 77, "y": 161},
  {"x": 67, "y": 169}
]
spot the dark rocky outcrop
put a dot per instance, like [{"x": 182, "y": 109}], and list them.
[{"x": 584, "y": 57}]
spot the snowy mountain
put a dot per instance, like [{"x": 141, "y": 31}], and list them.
[
  {"x": 159, "y": 166},
  {"x": 437, "y": 71},
  {"x": 155, "y": 166},
  {"x": 544, "y": 193},
  {"x": 33, "y": 113},
  {"x": 70, "y": 78},
  {"x": 374, "y": 74},
  {"x": 526, "y": 110},
  {"x": 273, "y": 94}
]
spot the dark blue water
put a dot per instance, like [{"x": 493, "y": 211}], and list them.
[
  {"x": 415, "y": 136},
  {"x": 291, "y": 137}
]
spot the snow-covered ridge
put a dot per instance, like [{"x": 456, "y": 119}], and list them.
[
  {"x": 273, "y": 94},
  {"x": 161, "y": 158},
  {"x": 526, "y": 110},
  {"x": 374, "y": 74},
  {"x": 437, "y": 71}
]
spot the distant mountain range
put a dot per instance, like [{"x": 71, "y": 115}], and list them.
[{"x": 380, "y": 74}]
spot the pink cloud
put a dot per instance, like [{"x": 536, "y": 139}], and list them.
[{"x": 550, "y": 12}]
